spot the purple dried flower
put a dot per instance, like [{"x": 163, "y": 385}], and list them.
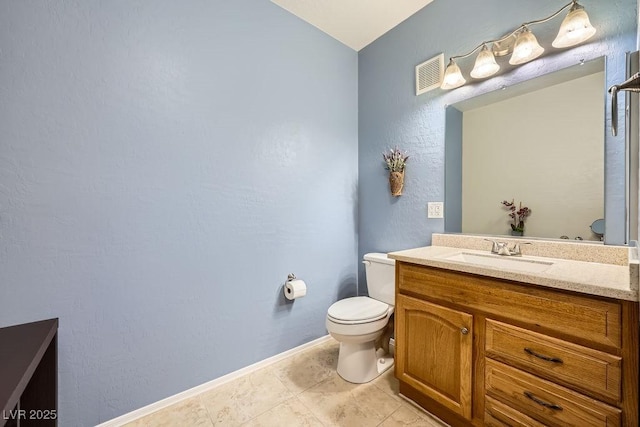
[{"x": 395, "y": 160}]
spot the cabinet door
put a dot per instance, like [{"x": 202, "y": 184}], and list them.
[{"x": 434, "y": 352}]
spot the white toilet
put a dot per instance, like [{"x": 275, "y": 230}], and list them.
[{"x": 357, "y": 322}]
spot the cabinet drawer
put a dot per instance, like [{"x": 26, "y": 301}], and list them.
[
  {"x": 547, "y": 402},
  {"x": 497, "y": 414},
  {"x": 586, "y": 319},
  {"x": 590, "y": 371}
]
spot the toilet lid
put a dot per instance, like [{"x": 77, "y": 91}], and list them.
[{"x": 358, "y": 309}]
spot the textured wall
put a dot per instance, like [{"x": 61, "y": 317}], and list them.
[
  {"x": 390, "y": 114},
  {"x": 163, "y": 166}
]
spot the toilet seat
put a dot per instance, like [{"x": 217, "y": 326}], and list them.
[{"x": 357, "y": 310}]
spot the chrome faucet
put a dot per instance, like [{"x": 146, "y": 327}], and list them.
[
  {"x": 515, "y": 251},
  {"x": 502, "y": 248},
  {"x": 494, "y": 246},
  {"x": 499, "y": 248}
]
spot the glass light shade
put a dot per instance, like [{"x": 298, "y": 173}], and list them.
[
  {"x": 526, "y": 48},
  {"x": 485, "y": 65},
  {"x": 452, "y": 77},
  {"x": 575, "y": 29}
]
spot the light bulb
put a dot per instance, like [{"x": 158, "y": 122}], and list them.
[
  {"x": 575, "y": 28},
  {"x": 452, "y": 77},
  {"x": 485, "y": 65},
  {"x": 526, "y": 48}
]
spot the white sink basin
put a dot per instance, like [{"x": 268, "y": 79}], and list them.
[{"x": 498, "y": 261}]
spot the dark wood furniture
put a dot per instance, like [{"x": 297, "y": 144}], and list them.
[{"x": 29, "y": 374}]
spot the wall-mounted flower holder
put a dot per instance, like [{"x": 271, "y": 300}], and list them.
[
  {"x": 396, "y": 183},
  {"x": 395, "y": 162}
]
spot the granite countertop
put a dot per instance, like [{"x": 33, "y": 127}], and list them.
[{"x": 594, "y": 278}]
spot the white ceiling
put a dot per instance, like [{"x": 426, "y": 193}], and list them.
[{"x": 355, "y": 23}]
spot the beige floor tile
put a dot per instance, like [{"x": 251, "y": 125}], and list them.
[
  {"x": 188, "y": 413},
  {"x": 245, "y": 398},
  {"x": 388, "y": 383},
  {"x": 336, "y": 402},
  {"x": 405, "y": 417},
  {"x": 302, "y": 390},
  {"x": 430, "y": 419},
  {"x": 332, "y": 384},
  {"x": 302, "y": 371},
  {"x": 290, "y": 413},
  {"x": 373, "y": 399}
]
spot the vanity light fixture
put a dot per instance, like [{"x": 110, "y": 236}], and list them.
[
  {"x": 575, "y": 29},
  {"x": 526, "y": 48},
  {"x": 452, "y": 76},
  {"x": 486, "y": 65}
]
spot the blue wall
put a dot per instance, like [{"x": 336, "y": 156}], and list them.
[
  {"x": 390, "y": 114},
  {"x": 163, "y": 166}
]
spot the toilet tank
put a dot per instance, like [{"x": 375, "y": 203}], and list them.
[{"x": 381, "y": 274}]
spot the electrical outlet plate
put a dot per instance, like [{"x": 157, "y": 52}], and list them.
[{"x": 435, "y": 210}]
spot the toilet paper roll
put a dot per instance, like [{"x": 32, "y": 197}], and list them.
[{"x": 295, "y": 289}]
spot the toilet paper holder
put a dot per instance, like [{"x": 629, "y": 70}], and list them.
[{"x": 294, "y": 288}]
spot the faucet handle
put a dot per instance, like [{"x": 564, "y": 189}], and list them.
[
  {"x": 494, "y": 246},
  {"x": 503, "y": 249},
  {"x": 516, "y": 248}
]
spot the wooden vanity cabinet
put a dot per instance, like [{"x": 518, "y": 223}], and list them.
[
  {"x": 438, "y": 361},
  {"x": 474, "y": 350}
]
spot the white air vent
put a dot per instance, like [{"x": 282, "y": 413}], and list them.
[{"x": 429, "y": 74}]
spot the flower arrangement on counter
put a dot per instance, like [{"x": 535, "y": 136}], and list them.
[
  {"x": 395, "y": 162},
  {"x": 517, "y": 215}
]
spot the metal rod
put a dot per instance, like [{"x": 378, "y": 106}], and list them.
[
  {"x": 543, "y": 20},
  {"x": 632, "y": 84},
  {"x": 526, "y": 24}
]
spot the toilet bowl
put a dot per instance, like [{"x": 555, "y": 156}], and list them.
[{"x": 357, "y": 323}]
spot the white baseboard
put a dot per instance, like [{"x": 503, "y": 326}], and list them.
[{"x": 161, "y": 404}]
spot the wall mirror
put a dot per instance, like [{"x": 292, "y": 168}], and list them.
[{"x": 540, "y": 142}]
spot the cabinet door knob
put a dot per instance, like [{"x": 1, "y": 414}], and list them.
[{"x": 464, "y": 331}]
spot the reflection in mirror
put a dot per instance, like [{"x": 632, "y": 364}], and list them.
[{"x": 540, "y": 143}]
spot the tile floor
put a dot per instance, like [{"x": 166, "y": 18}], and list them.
[{"x": 301, "y": 390}]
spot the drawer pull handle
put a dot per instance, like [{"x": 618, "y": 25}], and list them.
[
  {"x": 541, "y": 402},
  {"x": 542, "y": 356},
  {"x": 464, "y": 331}
]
